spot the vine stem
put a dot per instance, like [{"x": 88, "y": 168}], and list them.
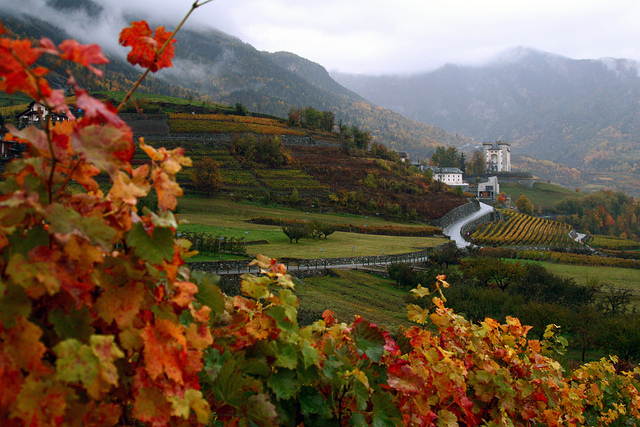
[
  {"x": 45, "y": 123},
  {"x": 196, "y": 4}
]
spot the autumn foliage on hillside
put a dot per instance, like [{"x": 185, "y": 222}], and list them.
[{"x": 102, "y": 323}]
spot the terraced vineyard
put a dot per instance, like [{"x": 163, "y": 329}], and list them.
[
  {"x": 517, "y": 229},
  {"x": 223, "y": 123}
]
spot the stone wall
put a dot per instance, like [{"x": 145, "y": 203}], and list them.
[{"x": 458, "y": 213}]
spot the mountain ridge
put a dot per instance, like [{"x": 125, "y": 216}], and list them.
[
  {"x": 579, "y": 112},
  {"x": 224, "y": 69}
]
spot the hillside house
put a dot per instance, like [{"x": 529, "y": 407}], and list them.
[
  {"x": 497, "y": 156},
  {"x": 37, "y": 112},
  {"x": 449, "y": 176}
]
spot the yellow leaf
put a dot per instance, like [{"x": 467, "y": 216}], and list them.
[
  {"x": 127, "y": 189},
  {"x": 417, "y": 314},
  {"x": 420, "y": 291}
]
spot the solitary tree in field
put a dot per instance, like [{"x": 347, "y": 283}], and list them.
[
  {"x": 524, "y": 205},
  {"x": 206, "y": 176}
]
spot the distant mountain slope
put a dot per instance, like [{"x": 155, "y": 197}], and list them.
[
  {"x": 211, "y": 65},
  {"x": 585, "y": 113},
  {"x": 229, "y": 71}
]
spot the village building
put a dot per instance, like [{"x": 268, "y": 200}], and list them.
[
  {"x": 489, "y": 188},
  {"x": 449, "y": 176},
  {"x": 36, "y": 113}
]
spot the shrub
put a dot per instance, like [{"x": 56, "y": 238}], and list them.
[{"x": 206, "y": 176}]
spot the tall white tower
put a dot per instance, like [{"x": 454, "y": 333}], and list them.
[{"x": 498, "y": 156}]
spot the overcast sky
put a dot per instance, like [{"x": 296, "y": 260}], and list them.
[{"x": 405, "y": 36}]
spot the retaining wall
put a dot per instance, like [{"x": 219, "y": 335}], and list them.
[
  {"x": 459, "y": 213},
  {"x": 493, "y": 216}
]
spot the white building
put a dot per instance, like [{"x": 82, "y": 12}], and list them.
[
  {"x": 449, "y": 176},
  {"x": 489, "y": 189},
  {"x": 497, "y": 156},
  {"x": 36, "y": 113}
]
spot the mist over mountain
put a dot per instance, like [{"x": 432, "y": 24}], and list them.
[
  {"x": 213, "y": 66},
  {"x": 584, "y": 113}
]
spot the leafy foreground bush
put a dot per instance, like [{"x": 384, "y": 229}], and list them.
[{"x": 102, "y": 323}]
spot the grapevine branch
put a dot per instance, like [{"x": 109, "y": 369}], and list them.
[{"x": 196, "y": 4}]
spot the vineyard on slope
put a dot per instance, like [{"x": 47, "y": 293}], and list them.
[{"x": 517, "y": 229}]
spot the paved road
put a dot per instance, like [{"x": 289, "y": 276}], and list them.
[{"x": 453, "y": 231}]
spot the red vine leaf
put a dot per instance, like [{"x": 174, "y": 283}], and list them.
[{"x": 145, "y": 46}]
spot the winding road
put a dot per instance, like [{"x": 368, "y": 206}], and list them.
[{"x": 453, "y": 231}]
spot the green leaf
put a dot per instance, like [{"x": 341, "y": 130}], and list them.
[
  {"x": 284, "y": 383},
  {"x": 385, "y": 411},
  {"x": 26, "y": 274},
  {"x": 76, "y": 362},
  {"x": 279, "y": 314},
  {"x": 61, "y": 220},
  {"x": 286, "y": 356},
  {"x": 358, "y": 420},
  {"x": 34, "y": 237},
  {"x": 369, "y": 340},
  {"x": 310, "y": 354},
  {"x": 209, "y": 294},
  {"x": 97, "y": 231},
  {"x": 446, "y": 419},
  {"x": 75, "y": 324},
  {"x": 312, "y": 402},
  {"x": 154, "y": 249},
  {"x": 15, "y": 302},
  {"x": 262, "y": 410}
]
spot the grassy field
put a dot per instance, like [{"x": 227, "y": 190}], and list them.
[
  {"x": 355, "y": 293},
  {"x": 226, "y": 218},
  {"x": 541, "y": 194}
]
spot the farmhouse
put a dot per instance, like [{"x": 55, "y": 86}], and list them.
[
  {"x": 449, "y": 176},
  {"x": 36, "y": 113}
]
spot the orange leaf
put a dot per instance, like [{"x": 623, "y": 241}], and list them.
[
  {"x": 120, "y": 303},
  {"x": 164, "y": 350},
  {"x": 86, "y": 55},
  {"x": 130, "y": 189},
  {"x": 166, "y": 188},
  {"x": 145, "y": 46}
]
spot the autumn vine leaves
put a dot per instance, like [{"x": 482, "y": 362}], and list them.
[
  {"x": 98, "y": 321},
  {"x": 102, "y": 323}
]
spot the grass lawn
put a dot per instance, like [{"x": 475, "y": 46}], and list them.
[
  {"x": 541, "y": 194},
  {"x": 341, "y": 244},
  {"x": 226, "y": 218},
  {"x": 355, "y": 293}
]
